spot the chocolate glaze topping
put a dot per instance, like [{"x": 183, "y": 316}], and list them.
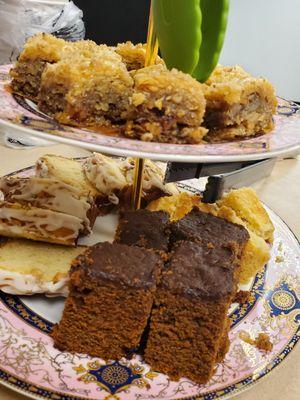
[
  {"x": 119, "y": 263},
  {"x": 199, "y": 270},
  {"x": 145, "y": 229},
  {"x": 198, "y": 225}
]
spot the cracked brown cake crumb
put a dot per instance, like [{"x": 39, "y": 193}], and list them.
[{"x": 262, "y": 342}]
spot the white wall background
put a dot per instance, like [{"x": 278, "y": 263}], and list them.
[{"x": 264, "y": 37}]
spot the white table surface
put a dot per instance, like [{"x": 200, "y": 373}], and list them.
[{"x": 280, "y": 191}]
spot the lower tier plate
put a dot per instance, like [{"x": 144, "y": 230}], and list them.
[{"x": 31, "y": 365}]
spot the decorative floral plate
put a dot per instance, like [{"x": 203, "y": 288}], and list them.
[
  {"x": 31, "y": 365},
  {"x": 23, "y": 116}
]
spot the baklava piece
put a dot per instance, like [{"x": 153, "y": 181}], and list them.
[
  {"x": 238, "y": 105},
  {"x": 111, "y": 289},
  {"x": 134, "y": 56},
  {"x": 189, "y": 324},
  {"x": 144, "y": 228},
  {"x": 87, "y": 91},
  {"x": 38, "y": 51},
  {"x": 166, "y": 106}
]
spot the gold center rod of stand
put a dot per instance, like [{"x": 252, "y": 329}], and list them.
[
  {"x": 151, "y": 54},
  {"x": 138, "y": 183},
  {"x": 152, "y": 43}
]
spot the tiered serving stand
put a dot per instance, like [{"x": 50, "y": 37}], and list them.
[{"x": 28, "y": 362}]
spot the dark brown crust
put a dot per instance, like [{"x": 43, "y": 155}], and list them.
[
  {"x": 144, "y": 228},
  {"x": 199, "y": 270},
  {"x": 213, "y": 231},
  {"x": 150, "y": 195},
  {"x": 121, "y": 264},
  {"x": 198, "y": 225}
]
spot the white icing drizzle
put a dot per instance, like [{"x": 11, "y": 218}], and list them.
[
  {"x": 111, "y": 174},
  {"x": 153, "y": 177},
  {"x": 113, "y": 199},
  {"x": 104, "y": 173},
  {"x": 38, "y": 223},
  {"x": 47, "y": 193},
  {"x": 27, "y": 284},
  {"x": 41, "y": 169}
]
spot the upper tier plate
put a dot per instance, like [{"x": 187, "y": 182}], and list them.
[{"x": 24, "y": 117}]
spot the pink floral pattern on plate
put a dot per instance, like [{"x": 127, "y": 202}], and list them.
[
  {"x": 30, "y": 363},
  {"x": 22, "y": 115}
]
